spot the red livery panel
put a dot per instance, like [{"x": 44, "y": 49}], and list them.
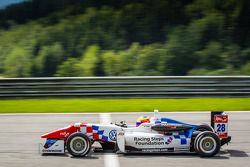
[{"x": 220, "y": 118}]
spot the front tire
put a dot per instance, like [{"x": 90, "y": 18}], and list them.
[
  {"x": 78, "y": 145},
  {"x": 207, "y": 144}
]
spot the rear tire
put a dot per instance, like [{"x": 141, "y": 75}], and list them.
[
  {"x": 207, "y": 144},
  {"x": 201, "y": 128},
  {"x": 78, "y": 145}
]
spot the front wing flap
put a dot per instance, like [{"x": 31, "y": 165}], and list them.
[{"x": 52, "y": 146}]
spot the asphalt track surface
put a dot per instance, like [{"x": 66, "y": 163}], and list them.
[{"x": 20, "y": 135}]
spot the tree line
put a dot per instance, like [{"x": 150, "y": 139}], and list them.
[{"x": 122, "y": 38}]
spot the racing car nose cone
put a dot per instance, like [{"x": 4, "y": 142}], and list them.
[
  {"x": 54, "y": 134},
  {"x": 60, "y": 133}
]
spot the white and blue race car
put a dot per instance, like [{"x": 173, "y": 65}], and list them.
[{"x": 149, "y": 135}]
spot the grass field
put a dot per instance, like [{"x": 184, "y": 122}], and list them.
[{"x": 122, "y": 105}]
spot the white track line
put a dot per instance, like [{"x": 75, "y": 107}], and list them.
[{"x": 110, "y": 160}]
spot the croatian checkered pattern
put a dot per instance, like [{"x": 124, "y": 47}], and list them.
[
  {"x": 181, "y": 136},
  {"x": 94, "y": 132}
]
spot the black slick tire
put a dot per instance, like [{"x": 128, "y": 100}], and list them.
[
  {"x": 78, "y": 144},
  {"x": 207, "y": 144}
]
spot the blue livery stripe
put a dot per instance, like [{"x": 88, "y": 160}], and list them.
[
  {"x": 183, "y": 141},
  {"x": 181, "y": 133},
  {"x": 100, "y": 132},
  {"x": 177, "y": 137},
  {"x": 95, "y": 127},
  {"x": 105, "y": 138}
]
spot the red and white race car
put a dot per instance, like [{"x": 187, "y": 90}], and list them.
[{"x": 149, "y": 135}]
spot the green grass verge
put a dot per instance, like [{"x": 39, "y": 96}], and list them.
[{"x": 122, "y": 105}]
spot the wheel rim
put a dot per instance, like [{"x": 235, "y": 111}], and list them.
[
  {"x": 207, "y": 144},
  {"x": 78, "y": 145}
]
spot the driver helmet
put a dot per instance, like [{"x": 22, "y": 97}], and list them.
[{"x": 142, "y": 119}]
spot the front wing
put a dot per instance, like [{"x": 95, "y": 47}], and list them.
[{"x": 52, "y": 146}]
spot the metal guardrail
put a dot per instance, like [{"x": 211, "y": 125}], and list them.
[{"x": 141, "y": 87}]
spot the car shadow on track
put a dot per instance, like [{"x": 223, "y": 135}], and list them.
[
  {"x": 176, "y": 155},
  {"x": 87, "y": 157},
  {"x": 234, "y": 153},
  {"x": 55, "y": 155},
  {"x": 226, "y": 154},
  {"x": 152, "y": 155},
  {"x": 90, "y": 156}
]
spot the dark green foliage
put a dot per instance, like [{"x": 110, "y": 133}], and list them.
[
  {"x": 125, "y": 37},
  {"x": 69, "y": 68},
  {"x": 18, "y": 63},
  {"x": 211, "y": 56},
  {"x": 49, "y": 57}
]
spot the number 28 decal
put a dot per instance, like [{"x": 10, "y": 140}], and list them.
[{"x": 221, "y": 127}]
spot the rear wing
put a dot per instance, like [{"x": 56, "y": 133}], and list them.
[{"x": 219, "y": 122}]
